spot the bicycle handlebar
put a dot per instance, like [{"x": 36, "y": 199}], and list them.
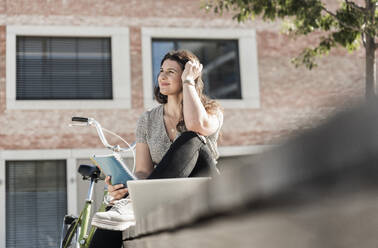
[
  {"x": 80, "y": 119},
  {"x": 93, "y": 122}
]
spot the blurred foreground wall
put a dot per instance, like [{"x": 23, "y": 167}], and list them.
[{"x": 317, "y": 190}]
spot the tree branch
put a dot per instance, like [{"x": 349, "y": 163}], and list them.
[
  {"x": 363, "y": 39},
  {"x": 354, "y": 5},
  {"x": 339, "y": 21}
]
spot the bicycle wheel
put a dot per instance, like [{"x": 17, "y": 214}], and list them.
[{"x": 70, "y": 235}]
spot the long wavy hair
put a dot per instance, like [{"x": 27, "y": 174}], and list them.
[{"x": 182, "y": 57}]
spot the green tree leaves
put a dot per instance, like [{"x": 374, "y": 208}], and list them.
[{"x": 348, "y": 26}]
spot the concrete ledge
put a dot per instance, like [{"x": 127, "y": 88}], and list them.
[
  {"x": 335, "y": 161},
  {"x": 324, "y": 222}
]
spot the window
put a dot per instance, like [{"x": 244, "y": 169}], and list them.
[
  {"x": 36, "y": 201},
  {"x": 220, "y": 58},
  {"x": 63, "y": 68},
  {"x": 56, "y": 67},
  {"x": 229, "y": 57}
]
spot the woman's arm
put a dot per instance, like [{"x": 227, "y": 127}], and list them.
[
  {"x": 143, "y": 161},
  {"x": 195, "y": 116}
]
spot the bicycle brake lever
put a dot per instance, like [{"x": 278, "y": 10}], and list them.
[{"x": 77, "y": 125}]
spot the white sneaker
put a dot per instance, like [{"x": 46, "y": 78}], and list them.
[{"x": 118, "y": 218}]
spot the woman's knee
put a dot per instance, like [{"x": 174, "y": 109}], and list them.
[{"x": 189, "y": 137}]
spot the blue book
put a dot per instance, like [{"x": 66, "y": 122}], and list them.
[{"x": 112, "y": 165}]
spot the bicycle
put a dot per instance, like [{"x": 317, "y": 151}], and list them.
[{"x": 76, "y": 228}]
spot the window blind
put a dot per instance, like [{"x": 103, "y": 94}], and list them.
[
  {"x": 53, "y": 68},
  {"x": 36, "y": 202}
]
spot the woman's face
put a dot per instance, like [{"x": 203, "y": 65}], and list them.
[{"x": 170, "y": 78}]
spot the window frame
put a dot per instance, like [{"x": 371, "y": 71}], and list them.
[
  {"x": 72, "y": 156},
  {"x": 249, "y": 79},
  {"x": 36, "y": 155},
  {"x": 120, "y": 46},
  {"x": 59, "y": 221}
]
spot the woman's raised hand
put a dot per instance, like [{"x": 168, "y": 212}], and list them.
[
  {"x": 191, "y": 71},
  {"x": 115, "y": 191}
]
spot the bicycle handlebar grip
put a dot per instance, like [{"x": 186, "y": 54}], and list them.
[{"x": 80, "y": 119}]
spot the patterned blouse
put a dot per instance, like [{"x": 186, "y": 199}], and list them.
[{"x": 151, "y": 130}]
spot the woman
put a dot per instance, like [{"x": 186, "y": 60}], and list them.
[{"x": 176, "y": 139}]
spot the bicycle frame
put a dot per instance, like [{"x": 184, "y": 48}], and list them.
[{"x": 82, "y": 222}]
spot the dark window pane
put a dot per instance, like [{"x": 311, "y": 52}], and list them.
[
  {"x": 36, "y": 201},
  {"x": 63, "y": 68},
  {"x": 220, "y": 58}
]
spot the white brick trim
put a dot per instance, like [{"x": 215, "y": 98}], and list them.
[
  {"x": 120, "y": 66},
  {"x": 71, "y": 175},
  {"x": 247, "y": 60}
]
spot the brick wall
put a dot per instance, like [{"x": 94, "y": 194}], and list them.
[{"x": 290, "y": 97}]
